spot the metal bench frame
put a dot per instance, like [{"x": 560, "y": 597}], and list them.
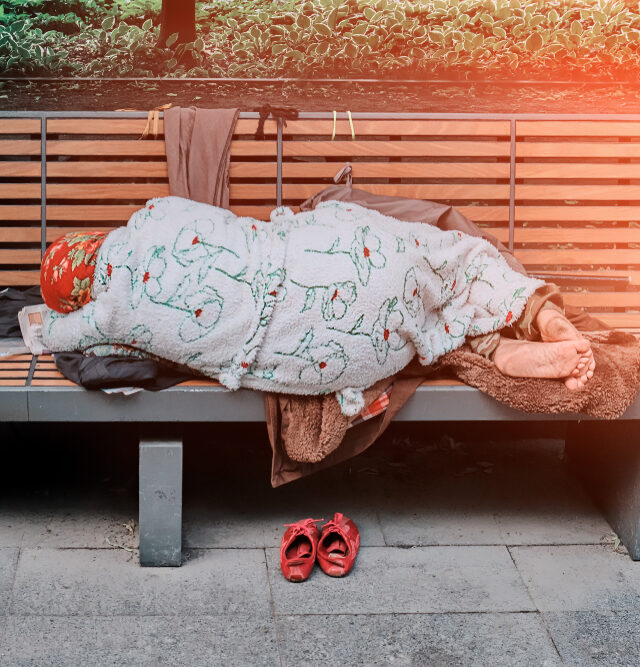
[{"x": 617, "y": 486}]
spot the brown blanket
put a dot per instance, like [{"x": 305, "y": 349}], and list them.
[{"x": 607, "y": 395}]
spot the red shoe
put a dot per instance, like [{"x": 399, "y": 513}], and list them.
[
  {"x": 298, "y": 549},
  {"x": 338, "y": 546}
]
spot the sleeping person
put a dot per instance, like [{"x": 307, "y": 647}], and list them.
[{"x": 323, "y": 301}]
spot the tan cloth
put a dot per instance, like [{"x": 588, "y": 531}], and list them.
[
  {"x": 606, "y": 396},
  {"x": 198, "y": 147}
]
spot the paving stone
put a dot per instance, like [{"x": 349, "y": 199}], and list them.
[
  {"x": 8, "y": 564},
  {"x": 420, "y": 579},
  {"x": 443, "y": 511},
  {"x": 596, "y": 638},
  {"x": 110, "y": 582},
  {"x": 415, "y": 639},
  {"x": 580, "y": 578},
  {"x": 201, "y": 641},
  {"x": 255, "y": 518}
]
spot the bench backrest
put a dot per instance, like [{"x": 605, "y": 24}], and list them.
[{"x": 565, "y": 193}]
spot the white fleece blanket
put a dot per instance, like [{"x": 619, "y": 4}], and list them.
[{"x": 331, "y": 300}]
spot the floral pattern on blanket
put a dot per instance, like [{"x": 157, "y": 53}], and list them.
[{"x": 330, "y": 300}]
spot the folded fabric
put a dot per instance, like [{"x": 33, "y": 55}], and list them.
[
  {"x": 607, "y": 395},
  {"x": 95, "y": 372},
  {"x": 12, "y": 301}
]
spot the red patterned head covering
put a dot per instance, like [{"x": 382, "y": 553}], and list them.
[{"x": 67, "y": 270}]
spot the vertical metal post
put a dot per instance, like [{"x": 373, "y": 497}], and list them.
[
  {"x": 43, "y": 185},
  {"x": 512, "y": 185},
  {"x": 160, "y": 499},
  {"x": 279, "y": 165}
]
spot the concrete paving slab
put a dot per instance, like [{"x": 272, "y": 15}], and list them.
[
  {"x": 580, "y": 578},
  {"x": 200, "y": 641},
  {"x": 417, "y": 580},
  {"x": 445, "y": 510},
  {"x": 8, "y": 564},
  {"x": 596, "y": 638},
  {"x": 101, "y": 582},
  {"x": 415, "y": 639},
  {"x": 254, "y": 516},
  {"x": 69, "y": 527}
]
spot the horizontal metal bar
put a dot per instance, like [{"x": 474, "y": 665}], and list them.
[
  {"x": 434, "y": 82},
  {"x": 323, "y": 115}
]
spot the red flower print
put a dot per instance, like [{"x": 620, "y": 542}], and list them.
[
  {"x": 244, "y": 364},
  {"x": 385, "y": 334},
  {"x": 417, "y": 243},
  {"x": 109, "y": 270},
  {"x": 198, "y": 312},
  {"x": 152, "y": 205},
  {"x": 415, "y": 291},
  {"x": 254, "y": 228},
  {"x": 335, "y": 296},
  {"x": 366, "y": 251},
  {"x": 195, "y": 240},
  {"x": 273, "y": 293},
  {"x": 446, "y": 328},
  {"x": 134, "y": 341},
  {"x": 509, "y": 317},
  {"x": 322, "y": 364},
  {"x": 145, "y": 278},
  {"x": 454, "y": 284}
]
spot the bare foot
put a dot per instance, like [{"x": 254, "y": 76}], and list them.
[
  {"x": 564, "y": 359},
  {"x": 555, "y": 327}
]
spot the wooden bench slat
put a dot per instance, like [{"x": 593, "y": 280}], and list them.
[
  {"x": 396, "y": 148},
  {"x": 20, "y": 126},
  {"x": 19, "y": 147},
  {"x": 154, "y": 148},
  {"x": 20, "y": 191},
  {"x": 569, "y": 213},
  {"x": 620, "y": 320},
  {"x": 576, "y": 235},
  {"x": 603, "y": 299},
  {"x": 20, "y": 213},
  {"x": 135, "y": 126},
  {"x": 399, "y": 127},
  {"x": 481, "y": 214},
  {"x": 576, "y": 170},
  {"x": 417, "y": 191},
  {"x": 146, "y": 169},
  {"x": 13, "y": 383},
  {"x": 145, "y": 190},
  {"x": 576, "y": 149},
  {"x": 19, "y": 256},
  {"x": 393, "y": 170},
  {"x": 583, "y": 256},
  {"x": 578, "y": 192},
  {"x": 120, "y": 213},
  {"x": 20, "y": 169},
  {"x": 577, "y": 128},
  {"x": 9, "y": 278},
  {"x": 52, "y": 383}
]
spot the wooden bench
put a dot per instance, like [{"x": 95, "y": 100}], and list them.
[{"x": 563, "y": 192}]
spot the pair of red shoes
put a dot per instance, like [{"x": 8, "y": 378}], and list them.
[{"x": 335, "y": 549}]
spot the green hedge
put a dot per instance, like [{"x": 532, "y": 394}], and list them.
[{"x": 329, "y": 38}]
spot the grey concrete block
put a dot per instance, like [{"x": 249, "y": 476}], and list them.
[
  {"x": 580, "y": 578},
  {"x": 415, "y": 640},
  {"x": 113, "y": 641},
  {"x": 417, "y": 580},
  {"x": 110, "y": 582},
  {"x": 596, "y": 638},
  {"x": 8, "y": 564}
]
